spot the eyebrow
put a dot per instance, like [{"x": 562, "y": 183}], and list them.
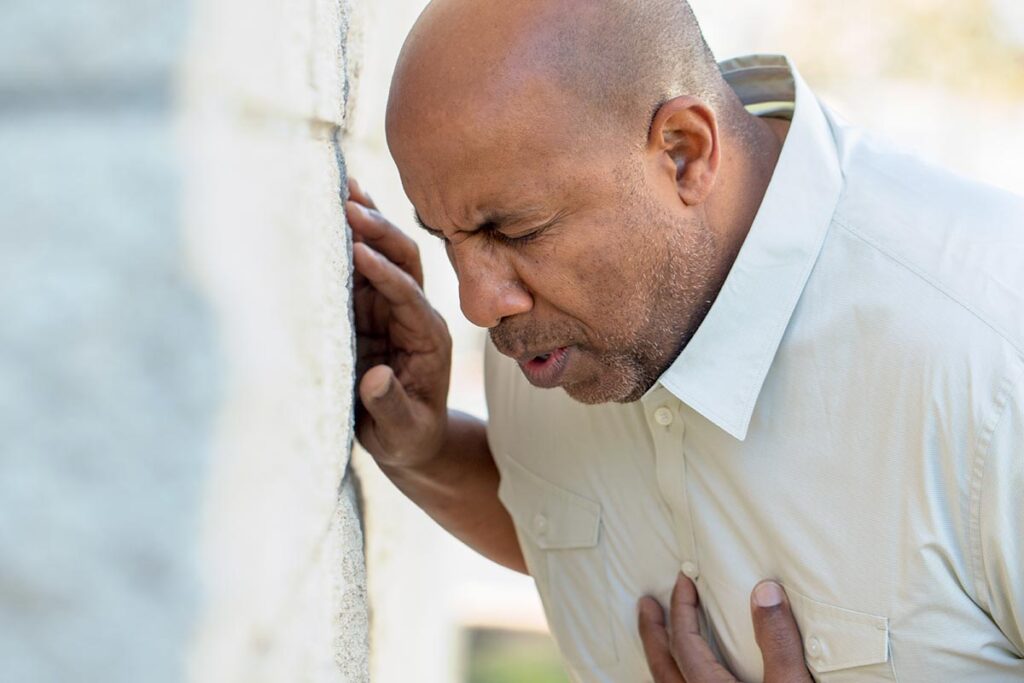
[{"x": 492, "y": 222}]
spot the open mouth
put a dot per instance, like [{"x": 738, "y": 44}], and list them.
[
  {"x": 544, "y": 359},
  {"x": 546, "y": 369}
]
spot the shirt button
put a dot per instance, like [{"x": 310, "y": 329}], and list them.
[
  {"x": 814, "y": 647},
  {"x": 663, "y": 416},
  {"x": 690, "y": 570},
  {"x": 540, "y": 524}
]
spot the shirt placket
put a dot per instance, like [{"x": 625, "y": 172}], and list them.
[{"x": 668, "y": 432}]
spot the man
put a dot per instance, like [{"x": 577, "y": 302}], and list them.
[{"x": 785, "y": 352}]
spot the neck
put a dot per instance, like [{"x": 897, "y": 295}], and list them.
[{"x": 750, "y": 151}]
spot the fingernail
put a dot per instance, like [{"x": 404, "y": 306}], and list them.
[
  {"x": 382, "y": 390},
  {"x": 355, "y": 184},
  {"x": 768, "y": 594}
]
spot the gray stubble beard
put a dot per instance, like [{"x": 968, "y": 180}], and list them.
[{"x": 685, "y": 285}]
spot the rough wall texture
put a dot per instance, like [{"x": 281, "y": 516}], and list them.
[
  {"x": 175, "y": 351},
  {"x": 266, "y": 95}
]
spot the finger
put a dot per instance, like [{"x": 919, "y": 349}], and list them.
[
  {"x": 413, "y": 322},
  {"x": 358, "y": 194},
  {"x": 691, "y": 651},
  {"x": 777, "y": 635},
  {"x": 384, "y": 398},
  {"x": 396, "y": 286},
  {"x": 370, "y": 227},
  {"x": 371, "y": 351},
  {"x": 654, "y": 636}
]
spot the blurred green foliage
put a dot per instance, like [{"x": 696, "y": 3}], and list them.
[{"x": 497, "y": 656}]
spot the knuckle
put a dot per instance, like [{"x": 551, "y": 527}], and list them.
[
  {"x": 783, "y": 648},
  {"x": 780, "y": 639},
  {"x": 647, "y": 630},
  {"x": 662, "y": 672},
  {"x": 377, "y": 217}
]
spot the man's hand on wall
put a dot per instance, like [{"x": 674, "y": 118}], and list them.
[
  {"x": 676, "y": 652},
  {"x": 403, "y": 351}
]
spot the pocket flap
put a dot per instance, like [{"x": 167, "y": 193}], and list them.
[
  {"x": 551, "y": 516},
  {"x": 837, "y": 638}
]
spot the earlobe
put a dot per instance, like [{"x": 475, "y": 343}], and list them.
[{"x": 684, "y": 136}]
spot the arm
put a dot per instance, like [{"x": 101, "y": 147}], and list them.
[
  {"x": 439, "y": 459},
  {"x": 459, "y": 490}
]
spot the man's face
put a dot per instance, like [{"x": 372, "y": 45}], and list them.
[{"x": 579, "y": 258}]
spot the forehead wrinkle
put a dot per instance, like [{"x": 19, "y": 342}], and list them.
[{"x": 487, "y": 220}]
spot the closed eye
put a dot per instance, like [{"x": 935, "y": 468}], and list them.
[
  {"x": 526, "y": 238},
  {"x": 492, "y": 229},
  {"x": 516, "y": 241},
  {"x": 431, "y": 231}
]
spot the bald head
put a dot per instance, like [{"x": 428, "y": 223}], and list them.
[
  {"x": 610, "y": 60},
  {"x": 570, "y": 155},
  {"x": 626, "y": 57}
]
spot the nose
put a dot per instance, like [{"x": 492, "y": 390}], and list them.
[{"x": 489, "y": 286}]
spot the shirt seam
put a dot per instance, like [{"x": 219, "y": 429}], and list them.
[
  {"x": 931, "y": 282},
  {"x": 982, "y": 456}
]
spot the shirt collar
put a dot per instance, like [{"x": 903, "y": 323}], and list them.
[{"x": 720, "y": 372}]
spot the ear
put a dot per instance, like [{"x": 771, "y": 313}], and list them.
[{"x": 684, "y": 142}]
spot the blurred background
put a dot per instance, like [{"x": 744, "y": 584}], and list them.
[
  {"x": 944, "y": 78},
  {"x": 174, "y": 350}
]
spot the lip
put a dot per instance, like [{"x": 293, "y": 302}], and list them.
[{"x": 548, "y": 373}]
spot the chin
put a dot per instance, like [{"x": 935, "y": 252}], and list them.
[{"x": 607, "y": 389}]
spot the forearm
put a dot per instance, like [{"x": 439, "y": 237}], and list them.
[{"x": 459, "y": 490}]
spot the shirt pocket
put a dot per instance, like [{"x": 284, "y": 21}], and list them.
[
  {"x": 561, "y": 536},
  {"x": 841, "y": 645}
]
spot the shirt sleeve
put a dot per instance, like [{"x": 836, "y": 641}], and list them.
[{"x": 1001, "y": 521}]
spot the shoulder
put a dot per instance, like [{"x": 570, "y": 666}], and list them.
[{"x": 960, "y": 241}]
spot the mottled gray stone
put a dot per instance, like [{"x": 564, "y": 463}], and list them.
[
  {"x": 108, "y": 383},
  {"x": 88, "y": 44}
]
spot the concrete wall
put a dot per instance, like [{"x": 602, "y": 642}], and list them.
[
  {"x": 175, "y": 351},
  {"x": 266, "y": 101},
  {"x": 421, "y": 579}
]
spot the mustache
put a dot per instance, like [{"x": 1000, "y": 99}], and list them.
[{"x": 514, "y": 338}]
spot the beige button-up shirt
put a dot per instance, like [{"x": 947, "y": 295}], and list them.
[{"x": 848, "y": 420}]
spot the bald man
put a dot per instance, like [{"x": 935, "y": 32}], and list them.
[{"x": 735, "y": 344}]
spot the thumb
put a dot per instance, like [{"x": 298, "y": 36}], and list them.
[
  {"x": 385, "y": 399},
  {"x": 777, "y": 635}
]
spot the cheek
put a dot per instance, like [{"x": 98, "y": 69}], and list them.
[{"x": 589, "y": 282}]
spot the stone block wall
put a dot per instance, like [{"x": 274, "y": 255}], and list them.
[
  {"x": 266, "y": 102},
  {"x": 176, "y": 352}
]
